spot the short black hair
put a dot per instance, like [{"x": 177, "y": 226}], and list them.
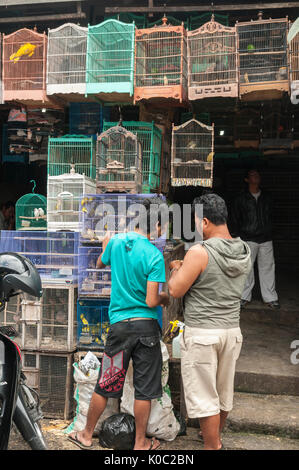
[
  {"x": 246, "y": 172},
  {"x": 7, "y": 205},
  {"x": 213, "y": 208},
  {"x": 156, "y": 210}
]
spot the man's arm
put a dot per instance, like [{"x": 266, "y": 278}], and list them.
[
  {"x": 153, "y": 298},
  {"x": 100, "y": 264},
  {"x": 183, "y": 277}
]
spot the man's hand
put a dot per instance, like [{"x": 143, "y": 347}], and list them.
[
  {"x": 164, "y": 299},
  {"x": 176, "y": 264}
]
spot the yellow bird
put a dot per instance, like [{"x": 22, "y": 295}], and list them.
[
  {"x": 26, "y": 49},
  {"x": 85, "y": 323},
  {"x": 210, "y": 157}
]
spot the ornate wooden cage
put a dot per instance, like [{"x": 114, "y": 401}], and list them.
[
  {"x": 212, "y": 61},
  {"x": 118, "y": 161},
  {"x": 24, "y": 67},
  {"x": 192, "y": 154},
  {"x": 263, "y": 56},
  {"x": 294, "y": 67},
  {"x": 150, "y": 137},
  {"x": 161, "y": 63},
  {"x": 66, "y": 60},
  {"x": 110, "y": 61}
]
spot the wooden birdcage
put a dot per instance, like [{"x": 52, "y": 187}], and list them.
[
  {"x": 161, "y": 63},
  {"x": 118, "y": 161},
  {"x": 192, "y": 154},
  {"x": 294, "y": 68},
  {"x": 264, "y": 59},
  {"x": 110, "y": 61},
  {"x": 66, "y": 61},
  {"x": 212, "y": 61},
  {"x": 24, "y": 67},
  {"x": 247, "y": 125}
]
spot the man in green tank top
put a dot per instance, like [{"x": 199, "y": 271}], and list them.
[{"x": 211, "y": 278}]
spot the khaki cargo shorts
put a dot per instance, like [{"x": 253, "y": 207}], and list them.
[{"x": 208, "y": 362}]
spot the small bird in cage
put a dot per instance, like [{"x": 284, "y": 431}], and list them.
[
  {"x": 191, "y": 144},
  {"x": 26, "y": 49},
  {"x": 85, "y": 328}
]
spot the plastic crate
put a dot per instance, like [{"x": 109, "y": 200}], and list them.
[
  {"x": 50, "y": 323},
  {"x": 54, "y": 254},
  {"x": 93, "y": 324},
  {"x": 51, "y": 375},
  {"x": 87, "y": 118}
]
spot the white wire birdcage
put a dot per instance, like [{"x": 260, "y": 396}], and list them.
[
  {"x": 192, "y": 154},
  {"x": 66, "y": 60},
  {"x": 264, "y": 58},
  {"x": 212, "y": 61},
  {"x": 64, "y": 200},
  {"x": 119, "y": 161}
]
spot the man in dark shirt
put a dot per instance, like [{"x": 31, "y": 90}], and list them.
[{"x": 251, "y": 221}]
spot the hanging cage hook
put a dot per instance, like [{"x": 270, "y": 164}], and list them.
[{"x": 34, "y": 185}]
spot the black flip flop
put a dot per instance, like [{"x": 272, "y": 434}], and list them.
[{"x": 78, "y": 443}]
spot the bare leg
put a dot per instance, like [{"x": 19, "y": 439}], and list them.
[
  {"x": 96, "y": 407},
  {"x": 142, "y": 409},
  {"x": 223, "y": 416},
  {"x": 210, "y": 426}
]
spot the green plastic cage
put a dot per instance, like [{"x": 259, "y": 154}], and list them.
[
  {"x": 139, "y": 20},
  {"x": 150, "y": 137},
  {"x": 110, "y": 58},
  {"x": 72, "y": 151},
  {"x": 31, "y": 211}
]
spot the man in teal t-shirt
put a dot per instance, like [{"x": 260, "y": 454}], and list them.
[{"x": 137, "y": 268}]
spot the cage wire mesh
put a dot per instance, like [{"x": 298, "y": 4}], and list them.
[
  {"x": 150, "y": 137},
  {"x": 161, "y": 62},
  {"x": 54, "y": 254},
  {"x": 24, "y": 65},
  {"x": 50, "y": 323},
  {"x": 263, "y": 54},
  {"x": 294, "y": 69},
  {"x": 66, "y": 59},
  {"x": 31, "y": 212},
  {"x": 93, "y": 323},
  {"x": 192, "y": 154},
  {"x": 87, "y": 118},
  {"x": 64, "y": 200},
  {"x": 52, "y": 376},
  {"x": 110, "y": 58},
  {"x": 212, "y": 61},
  {"x": 76, "y": 150},
  {"x": 196, "y": 21},
  {"x": 119, "y": 161}
]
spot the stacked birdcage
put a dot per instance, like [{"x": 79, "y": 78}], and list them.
[
  {"x": 294, "y": 65},
  {"x": 31, "y": 212},
  {"x": 119, "y": 161},
  {"x": 66, "y": 60},
  {"x": 192, "y": 154},
  {"x": 150, "y": 137},
  {"x": 24, "y": 67},
  {"x": 76, "y": 150},
  {"x": 110, "y": 60},
  {"x": 212, "y": 61},
  {"x": 64, "y": 199},
  {"x": 263, "y": 58},
  {"x": 87, "y": 118},
  {"x": 161, "y": 63},
  {"x": 247, "y": 128}
]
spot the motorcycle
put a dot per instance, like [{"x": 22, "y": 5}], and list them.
[{"x": 19, "y": 404}]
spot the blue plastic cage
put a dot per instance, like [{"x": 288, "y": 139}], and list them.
[
  {"x": 87, "y": 118},
  {"x": 101, "y": 213},
  {"x": 55, "y": 254},
  {"x": 93, "y": 324}
]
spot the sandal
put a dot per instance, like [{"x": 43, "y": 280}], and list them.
[
  {"x": 153, "y": 440},
  {"x": 78, "y": 443}
]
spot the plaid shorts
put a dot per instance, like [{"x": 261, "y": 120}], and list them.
[{"x": 138, "y": 340}]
